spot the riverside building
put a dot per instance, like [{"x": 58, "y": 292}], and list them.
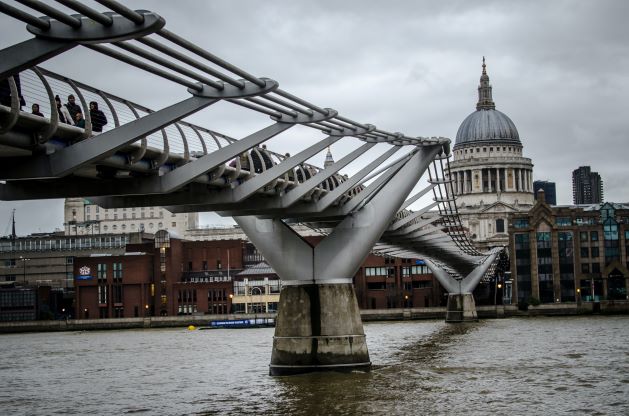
[
  {"x": 170, "y": 276},
  {"x": 570, "y": 253},
  {"x": 492, "y": 178},
  {"x": 81, "y": 217}
]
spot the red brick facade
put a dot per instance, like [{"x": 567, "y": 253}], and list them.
[{"x": 197, "y": 277}]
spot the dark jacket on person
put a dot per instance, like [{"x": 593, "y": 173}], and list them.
[
  {"x": 98, "y": 117},
  {"x": 5, "y": 91},
  {"x": 73, "y": 109}
]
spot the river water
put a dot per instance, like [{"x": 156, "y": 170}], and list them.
[{"x": 574, "y": 365}]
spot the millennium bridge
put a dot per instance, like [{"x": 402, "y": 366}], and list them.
[{"x": 145, "y": 158}]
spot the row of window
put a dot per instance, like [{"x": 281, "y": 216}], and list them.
[
  {"x": 97, "y": 209},
  {"x": 491, "y": 149},
  {"x": 390, "y": 270},
  {"x": 101, "y": 272},
  {"x": 88, "y": 216},
  {"x": 418, "y": 284},
  {"x": 70, "y": 243}
]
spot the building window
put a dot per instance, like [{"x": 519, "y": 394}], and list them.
[
  {"x": 583, "y": 236},
  {"x": 500, "y": 225},
  {"x": 563, "y": 221},
  {"x": 585, "y": 268},
  {"x": 174, "y": 224},
  {"x": 545, "y": 267},
  {"x": 594, "y": 252},
  {"x": 117, "y": 271},
  {"x": 102, "y": 294},
  {"x": 596, "y": 267},
  {"x": 566, "y": 266},
  {"x": 585, "y": 252},
  {"x": 101, "y": 271},
  {"x": 520, "y": 223},
  {"x": 594, "y": 235}
]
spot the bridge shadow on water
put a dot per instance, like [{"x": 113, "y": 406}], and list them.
[{"x": 403, "y": 381}]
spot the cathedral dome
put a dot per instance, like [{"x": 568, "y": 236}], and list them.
[{"x": 486, "y": 124}]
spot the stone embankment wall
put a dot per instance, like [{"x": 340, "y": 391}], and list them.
[{"x": 367, "y": 315}]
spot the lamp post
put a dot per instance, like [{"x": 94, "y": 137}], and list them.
[
  {"x": 24, "y": 260},
  {"x": 255, "y": 310}
]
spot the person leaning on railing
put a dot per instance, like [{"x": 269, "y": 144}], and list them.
[
  {"x": 98, "y": 118},
  {"x": 79, "y": 121},
  {"x": 73, "y": 108},
  {"x": 64, "y": 115},
  {"x": 35, "y": 110}
]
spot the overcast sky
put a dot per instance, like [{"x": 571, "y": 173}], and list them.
[{"x": 559, "y": 70}]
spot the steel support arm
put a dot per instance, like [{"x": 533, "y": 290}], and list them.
[
  {"x": 341, "y": 253},
  {"x": 373, "y": 188},
  {"x": 29, "y": 53},
  {"x": 401, "y": 222},
  {"x": 449, "y": 284},
  {"x": 471, "y": 280},
  {"x": 303, "y": 188},
  {"x": 187, "y": 173},
  {"x": 259, "y": 181},
  {"x": 418, "y": 195},
  {"x": 285, "y": 250},
  {"x": 327, "y": 200}
]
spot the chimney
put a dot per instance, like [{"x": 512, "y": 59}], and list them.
[{"x": 541, "y": 195}]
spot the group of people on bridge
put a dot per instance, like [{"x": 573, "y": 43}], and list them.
[{"x": 70, "y": 113}]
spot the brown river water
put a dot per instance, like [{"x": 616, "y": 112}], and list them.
[{"x": 534, "y": 366}]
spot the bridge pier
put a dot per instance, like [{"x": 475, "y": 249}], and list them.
[
  {"x": 310, "y": 334},
  {"x": 318, "y": 327},
  {"x": 461, "y": 308}
]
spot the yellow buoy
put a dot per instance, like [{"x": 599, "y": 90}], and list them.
[{"x": 191, "y": 327}]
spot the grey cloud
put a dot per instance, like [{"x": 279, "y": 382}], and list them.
[{"x": 559, "y": 70}]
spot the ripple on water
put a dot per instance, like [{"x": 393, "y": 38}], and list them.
[{"x": 505, "y": 366}]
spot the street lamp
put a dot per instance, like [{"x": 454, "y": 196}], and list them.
[
  {"x": 255, "y": 309},
  {"x": 24, "y": 260}
]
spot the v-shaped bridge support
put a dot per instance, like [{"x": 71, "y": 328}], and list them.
[
  {"x": 461, "y": 305},
  {"x": 318, "y": 326}
]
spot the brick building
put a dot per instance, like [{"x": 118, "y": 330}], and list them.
[
  {"x": 165, "y": 277},
  {"x": 570, "y": 253},
  {"x": 389, "y": 282},
  {"x": 170, "y": 276}
]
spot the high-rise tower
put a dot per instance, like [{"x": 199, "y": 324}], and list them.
[{"x": 587, "y": 186}]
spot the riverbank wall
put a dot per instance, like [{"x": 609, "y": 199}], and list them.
[{"x": 367, "y": 315}]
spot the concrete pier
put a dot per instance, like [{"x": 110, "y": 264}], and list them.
[
  {"x": 461, "y": 308},
  {"x": 318, "y": 328}
]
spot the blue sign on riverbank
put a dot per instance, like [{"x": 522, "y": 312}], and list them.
[
  {"x": 83, "y": 277},
  {"x": 235, "y": 323}
]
